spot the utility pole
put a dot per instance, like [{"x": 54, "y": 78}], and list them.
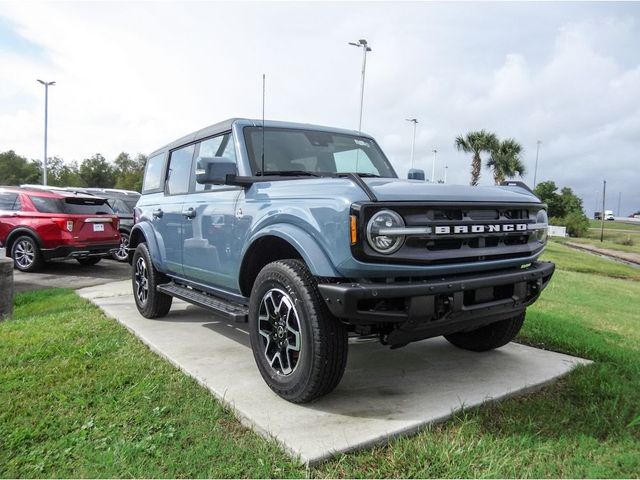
[
  {"x": 604, "y": 192},
  {"x": 433, "y": 166},
  {"x": 46, "y": 115},
  {"x": 619, "y": 202},
  {"x": 365, "y": 48},
  {"x": 535, "y": 171},
  {"x": 413, "y": 144},
  {"x": 445, "y": 173}
]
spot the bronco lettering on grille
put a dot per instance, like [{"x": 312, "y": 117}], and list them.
[{"x": 492, "y": 228}]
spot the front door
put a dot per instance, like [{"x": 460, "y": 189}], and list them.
[{"x": 209, "y": 223}]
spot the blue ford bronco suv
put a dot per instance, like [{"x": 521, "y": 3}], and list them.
[{"x": 307, "y": 234}]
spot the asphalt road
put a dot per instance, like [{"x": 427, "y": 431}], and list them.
[{"x": 70, "y": 274}]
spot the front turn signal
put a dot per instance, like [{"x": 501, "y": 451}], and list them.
[{"x": 354, "y": 230}]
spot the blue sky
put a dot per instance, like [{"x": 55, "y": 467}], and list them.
[{"x": 133, "y": 76}]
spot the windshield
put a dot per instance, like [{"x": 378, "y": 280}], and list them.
[{"x": 312, "y": 152}]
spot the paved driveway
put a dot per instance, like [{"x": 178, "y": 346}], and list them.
[{"x": 70, "y": 274}]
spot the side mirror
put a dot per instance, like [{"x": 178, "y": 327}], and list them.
[
  {"x": 214, "y": 170},
  {"x": 416, "y": 174}
]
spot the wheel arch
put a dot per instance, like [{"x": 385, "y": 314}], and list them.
[
  {"x": 18, "y": 232},
  {"x": 143, "y": 232},
  {"x": 279, "y": 242}
]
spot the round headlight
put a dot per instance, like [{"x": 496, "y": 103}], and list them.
[
  {"x": 380, "y": 242},
  {"x": 542, "y": 219}
]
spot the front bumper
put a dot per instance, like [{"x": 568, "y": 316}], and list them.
[
  {"x": 73, "y": 251},
  {"x": 438, "y": 306}
]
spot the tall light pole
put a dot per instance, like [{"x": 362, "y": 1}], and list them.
[
  {"x": 604, "y": 193},
  {"x": 365, "y": 48},
  {"x": 535, "y": 171},
  {"x": 413, "y": 144},
  {"x": 619, "y": 202},
  {"x": 433, "y": 166},
  {"x": 446, "y": 167},
  {"x": 46, "y": 121}
]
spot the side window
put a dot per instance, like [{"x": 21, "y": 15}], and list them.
[
  {"x": 8, "y": 200},
  {"x": 47, "y": 204},
  {"x": 179, "y": 171},
  {"x": 153, "y": 173},
  {"x": 220, "y": 146}
]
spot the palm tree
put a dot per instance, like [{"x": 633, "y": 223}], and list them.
[
  {"x": 505, "y": 160},
  {"x": 476, "y": 143}
]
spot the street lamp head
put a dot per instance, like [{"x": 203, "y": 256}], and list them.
[
  {"x": 41, "y": 81},
  {"x": 414, "y": 120},
  {"x": 362, "y": 42}
]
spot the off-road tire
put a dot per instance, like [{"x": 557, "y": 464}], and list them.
[
  {"x": 155, "y": 304},
  {"x": 323, "y": 338},
  {"x": 26, "y": 254},
  {"x": 89, "y": 261},
  {"x": 491, "y": 336}
]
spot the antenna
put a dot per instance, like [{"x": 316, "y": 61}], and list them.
[{"x": 263, "y": 95}]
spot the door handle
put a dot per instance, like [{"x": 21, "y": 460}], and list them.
[
  {"x": 189, "y": 213},
  {"x": 157, "y": 213}
]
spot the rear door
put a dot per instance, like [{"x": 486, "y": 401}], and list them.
[{"x": 168, "y": 222}]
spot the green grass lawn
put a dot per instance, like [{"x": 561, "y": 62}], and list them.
[
  {"x": 617, "y": 236},
  {"x": 81, "y": 397}
]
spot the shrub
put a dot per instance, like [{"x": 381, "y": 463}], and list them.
[
  {"x": 628, "y": 241},
  {"x": 577, "y": 224}
]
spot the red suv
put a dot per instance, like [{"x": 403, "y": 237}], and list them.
[{"x": 37, "y": 225}]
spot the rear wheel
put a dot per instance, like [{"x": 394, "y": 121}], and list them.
[
  {"x": 89, "y": 261},
  {"x": 26, "y": 254},
  {"x": 122, "y": 254},
  {"x": 492, "y": 336},
  {"x": 299, "y": 347},
  {"x": 145, "y": 280}
]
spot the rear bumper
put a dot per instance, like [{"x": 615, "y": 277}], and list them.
[
  {"x": 438, "y": 306},
  {"x": 80, "y": 251}
]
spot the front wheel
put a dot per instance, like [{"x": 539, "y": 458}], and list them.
[
  {"x": 491, "y": 336},
  {"x": 145, "y": 280},
  {"x": 299, "y": 347}
]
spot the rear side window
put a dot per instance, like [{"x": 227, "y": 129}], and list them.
[
  {"x": 47, "y": 205},
  {"x": 179, "y": 171},
  {"x": 153, "y": 173},
  {"x": 119, "y": 206},
  {"x": 8, "y": 201}
]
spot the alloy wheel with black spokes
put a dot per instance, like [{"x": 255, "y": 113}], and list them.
[
  {"x": 122, "y": 254},
  {"x": 145, "y": 280},
  {"x": 279, "y": 326},
  {"x": 141, "y": 281},
  {"x": 299, "y": 347},
  {"x": 26, "y": 254}
]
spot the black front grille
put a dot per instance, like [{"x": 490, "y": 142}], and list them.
[{"x": 466, "y": 233}]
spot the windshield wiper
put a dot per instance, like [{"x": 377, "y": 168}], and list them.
[
  {"x": 290, "y": 173},
  {"x": 360, "y": 174}
]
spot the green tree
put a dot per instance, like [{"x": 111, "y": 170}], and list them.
[
  {"x": 476, "y": 143},
  {"x": 564, "y": 207},
  {"x": 129, "y": 172},
  {"x": 505, "y": 160},
  {"x": 547, "y": 192},
  {"x": 61, "y": 174},
  {"x": 97, "y": 172},
  {"x": 15, "y": 169}
]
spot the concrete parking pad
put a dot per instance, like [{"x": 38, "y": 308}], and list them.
[{"x": 384, "y": 393}]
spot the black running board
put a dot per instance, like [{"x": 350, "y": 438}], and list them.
[{"x": 233, "y": 311}]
